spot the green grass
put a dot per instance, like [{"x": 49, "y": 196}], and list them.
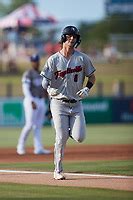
[
  {"x": 9, "y": 136},
  {"x": 96, "y": 134},
  {"x": 38, "y": 192},
  {"x": 124, "y": 167}
]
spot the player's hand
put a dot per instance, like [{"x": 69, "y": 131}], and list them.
[
  {"x": 53, "y": 91},
  {"x": 83, "y": 93},
  {"x": 34, "y": 106},
  {"x": 48, "y": 114}
]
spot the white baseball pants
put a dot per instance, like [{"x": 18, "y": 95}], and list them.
[
  {"x": 33, "y": 120},
  {"x": 68, "y": 119}
]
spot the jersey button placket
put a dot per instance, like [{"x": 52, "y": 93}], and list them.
[
  {"x": 67, "y": 79},
  {"x": 70, "y": 108}
]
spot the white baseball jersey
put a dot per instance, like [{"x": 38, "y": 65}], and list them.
[{"x": 67, "y": 75}]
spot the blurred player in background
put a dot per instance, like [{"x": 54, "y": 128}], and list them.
[
  {"x": 34, "y": 107},
  {"x": 63, "y": 77}
]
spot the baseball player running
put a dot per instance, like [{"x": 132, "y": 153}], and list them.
[
  {"x": 34, "y": 107},
  {"x": 63, "y": 77}
]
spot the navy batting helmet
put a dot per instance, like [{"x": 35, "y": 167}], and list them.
[
  {"x": 34, "y": 58},
  {"x": 71, "y": 30}
]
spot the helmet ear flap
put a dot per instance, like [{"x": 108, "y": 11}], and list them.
[
  {"x": 63, "y": 38},
  {"x": 78, "y": 41}
]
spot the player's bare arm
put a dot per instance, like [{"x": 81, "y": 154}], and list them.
[
  {"x": 34, "y": 106},
  {"x": 91, "y": 81}
]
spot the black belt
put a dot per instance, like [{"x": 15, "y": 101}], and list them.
[{"x": 68, "y": 100}]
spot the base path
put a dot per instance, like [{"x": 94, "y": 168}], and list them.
[
  {"x": 78, "y": 152},
  {"x": 72, "y": 153},
  {"x": 72, "y": 179}
]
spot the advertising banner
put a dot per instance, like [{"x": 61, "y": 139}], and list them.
[
  {"x": 11, "y": 112},
  {"x": 123, "y": 110},
  {"x": 96, "y": 110}
]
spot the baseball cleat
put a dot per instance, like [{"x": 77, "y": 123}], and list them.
[
  {"x": 59, "y": 176},
  {"x": 42, "y": 151},
  {"x": 21, "y": 151}
]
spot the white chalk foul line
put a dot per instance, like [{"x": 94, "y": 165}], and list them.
[{"x": 69, "y": 174}]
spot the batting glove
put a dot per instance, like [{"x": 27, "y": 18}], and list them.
[
  {"x": 83, "y": 93},
  {"x": 53, "y": 91}
]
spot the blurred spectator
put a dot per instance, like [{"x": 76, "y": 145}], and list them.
[
  {"x": 4, "y": 57},
  {"x": 50, "y": 48},
  {"x": 118, "y": 88},
  {"x": 12, "y": 54},
  {"x": 110, "y": 53},
  {"x": 8, "y": 57},
  {"x": 1, "y": 48}
]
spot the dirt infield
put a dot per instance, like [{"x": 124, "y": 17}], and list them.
[
  {"x": 72, "y": 153},
  {"x": 72, "y": 180}
]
